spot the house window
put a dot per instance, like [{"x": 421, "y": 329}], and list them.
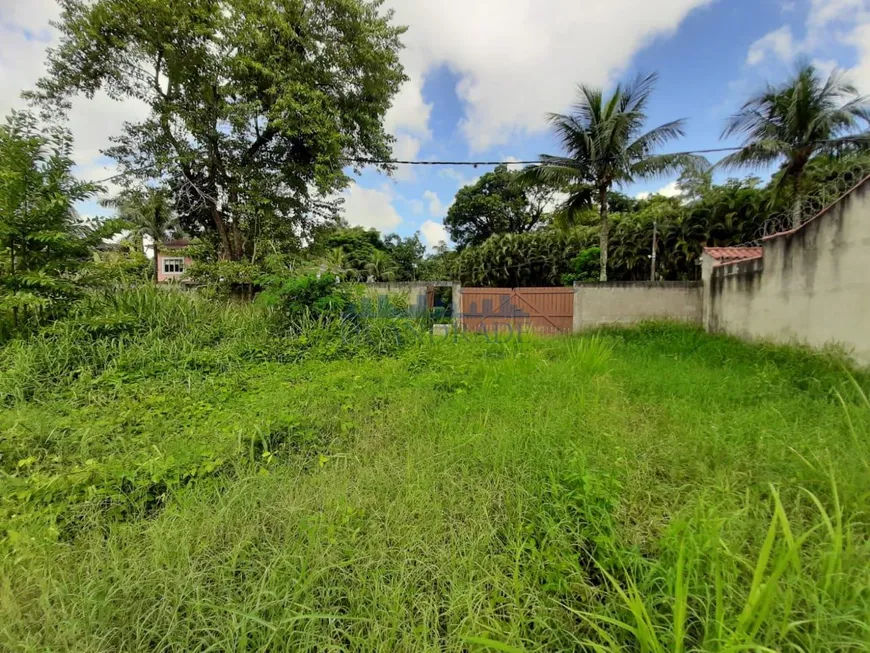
[{"x": 173, "y": 265}]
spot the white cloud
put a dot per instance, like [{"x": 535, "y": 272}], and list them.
[
  {"x": 416, "y": 206},
  {"x": 32, "y": 16},
  {"x": 824, "y": 12},
  {"x": 370, "y": 207},
  {"x": 512, "y": 163},
  {"x": 434, "y": 234},
  {"x": 436, "y": 208},
  {"x": 453, "y": 174},
  {"x": 458, "y": 176},
  {"x": 99, "y": 171},
  {"x": 860, "y": 40},
  {"x": 829, "y": 24},
  {"x": 670, "y": 190},
  {"x": 780, "y": 42},
  {"x": 511, "y": 56},
  {"x": 410, "y": 112},
  {"x": 406, "y": 148},
  {"x": 25, "y": 34}
]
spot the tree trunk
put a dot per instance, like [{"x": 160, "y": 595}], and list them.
[
  {"x": 604, "y": 234},
  {"x": 237, "y": 240},
  {"x": 156, "y": 262},
  {"x": 797, "y": 206},
  {"x": 226, "y": 246}
]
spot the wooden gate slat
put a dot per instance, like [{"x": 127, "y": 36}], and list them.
[{"x": 547, "y": 309}]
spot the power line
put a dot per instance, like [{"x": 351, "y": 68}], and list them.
[
  {"x": 407, "y": 162},
  {"x": 437, "y": 163},
  {"x": 508, "y": 162},
  {"x": 122, "y": 174}
]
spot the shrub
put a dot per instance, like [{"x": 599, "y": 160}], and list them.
[
  {"x": 584, "y": 267},
  {"x": 293, "y": 297}
]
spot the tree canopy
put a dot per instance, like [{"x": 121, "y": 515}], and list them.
[
  {"x": 500, "y": 202},
  {"x": 255, "y": 105}
]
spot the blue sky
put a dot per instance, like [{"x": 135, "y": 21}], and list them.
[
  {"x": 709, "y": 62},
  {"x": 483, "y": 74}
]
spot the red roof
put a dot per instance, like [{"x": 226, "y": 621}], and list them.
[
  {"x": 175, "y": 244},
  {"x": 729, "y": 254}
]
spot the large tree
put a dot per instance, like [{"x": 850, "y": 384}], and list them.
[
  {"x": 255, "y": 105},
  {"x": 407, "y": 253},
  {"x": 357, "y": 244},
  {"x": 795, "y": 121},
  {"x": 500, "y": 202},
  {"x": 605, "y": 145}
]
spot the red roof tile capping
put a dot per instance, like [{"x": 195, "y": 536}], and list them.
[{"x": 730, "y": 254}]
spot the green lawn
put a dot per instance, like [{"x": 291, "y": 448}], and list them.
[{"x": 647, "y": 490}]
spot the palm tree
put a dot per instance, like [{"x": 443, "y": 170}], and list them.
[
  {"x": 793, "y": 122},
  {"x": 336, "y": 262},
  {"x": 605, "y": 145},
  {"x": 147, "y": 212},
  {"x": 381, "y": 266}
]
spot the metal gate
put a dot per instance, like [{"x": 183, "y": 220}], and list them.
[{"x": 544, "y": 310}]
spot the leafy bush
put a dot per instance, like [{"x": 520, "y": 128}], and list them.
[
  {"x": 293, "y": 297},
  {"x": 584, "y": 267},
  {"x": 221, "y": 279},
  {"x": 122, "y": 269},
  {"x": 44, "y": 245}
]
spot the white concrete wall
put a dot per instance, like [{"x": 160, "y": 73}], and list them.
[
  {"x": 415, "y": 291},
  {"x": 812, "y": 285},
  {"x": 602, "y": 304}
]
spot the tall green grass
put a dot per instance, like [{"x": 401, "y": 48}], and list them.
[{"x": 654, "y": 489}]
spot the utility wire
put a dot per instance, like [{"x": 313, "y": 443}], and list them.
[
  {"x": 511, "y": 162},
  {"x": 404, "y": 162}
]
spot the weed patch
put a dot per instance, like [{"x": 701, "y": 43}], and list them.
[{"x": 325, "y": 486}]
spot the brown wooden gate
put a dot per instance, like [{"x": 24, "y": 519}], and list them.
[{"x": 544, "y": 310}]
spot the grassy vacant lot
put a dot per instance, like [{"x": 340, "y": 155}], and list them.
[{"x": 176, "y": 477}]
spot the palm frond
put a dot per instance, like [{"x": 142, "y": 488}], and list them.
[
  {"x": 636, "y": 95},
  {"x": 804, "y": 116},
  {"x": 554, "y": 170},
  {"x": 754, "y": 156},
  {"x": 661, "y": 135},
  {"x": 665, "y": 164}
]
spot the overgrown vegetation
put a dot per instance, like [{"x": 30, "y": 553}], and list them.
[
  {"x": 253, "y": 106},
  {"x": 182, "y": 474},
  {"x": 310, "y": 469},
  {"x": 43, "y": 242}
]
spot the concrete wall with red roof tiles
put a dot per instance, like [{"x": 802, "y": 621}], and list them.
[{"x": 811, "y": 286}]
